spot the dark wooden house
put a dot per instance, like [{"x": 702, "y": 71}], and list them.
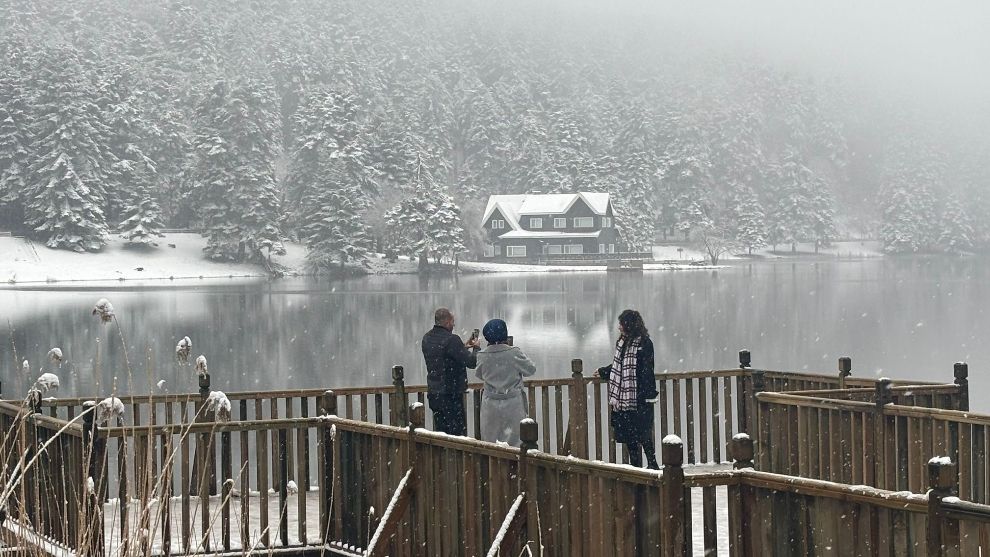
[{"x": 544, "y": 227}]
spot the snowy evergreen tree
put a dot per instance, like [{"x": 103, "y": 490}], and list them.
[
  {"x": 13, "y": 166},
  {"x": 234, "y": 186},
  {"x": 133, "y": 174},
  {"x": 427, "y": 224},
  {"x": 445, "y": 233},
  {"x": 907, "y": 215},
  {"x": 331, "y": 179},
  {"x": 749, "y": 220},
  {"x": 65, "y": 195},
  {"x": 956, "y": 234},
  {"x": 907, "y": 201},
  {"x": 333, "y": 229},
  {"x": 141, "y": 218},
  {"x": 801, "y": 209}
]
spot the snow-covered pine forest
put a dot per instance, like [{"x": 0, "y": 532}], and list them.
[{"x": 356, "y": 126}]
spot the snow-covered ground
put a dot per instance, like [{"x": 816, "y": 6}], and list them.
[
  {"x": 487, "y": 267},
  {"x": 850, "y": 249},
  {"x": 23, "y": 261}
]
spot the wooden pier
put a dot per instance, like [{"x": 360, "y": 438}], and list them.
[{"x": 832, "y": 465}]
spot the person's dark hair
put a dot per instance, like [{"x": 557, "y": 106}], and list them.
[
  {"x": 632, "y": 324},
  {"x": 442, "y": 316}
]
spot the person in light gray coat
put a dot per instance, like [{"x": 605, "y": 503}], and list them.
[{"x": 502, "y": 368}]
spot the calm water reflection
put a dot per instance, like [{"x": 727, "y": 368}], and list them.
[{"x": 906, "y": 318}]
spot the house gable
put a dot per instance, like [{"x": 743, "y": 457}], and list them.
[{"x": 497, "y": 216}]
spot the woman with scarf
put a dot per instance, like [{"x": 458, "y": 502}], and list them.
[
  {"x": 632, "y": 389},
  {"x": 502, "y": 368}
]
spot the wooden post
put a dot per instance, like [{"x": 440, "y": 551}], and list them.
[
  {"x": 398, "y": 410},
  {"x": 418, "y": 516},
  {"x": 327, "y": 407},
  {"x": 884, "y": 461},
  {"x": 94, "y": 467},
  {"x": 741, "y": 450},
  {"x": 845, "y": 370},
  {"x": 960, "y": 372},
  {"x": 740, "y": 497},
  {"x": 761, "y": 421},
  {"x": 529, "y": 434},
  {"x": 578, "y": 429},
  {"x": 744, "y": 387},
  {"x": 942, "y": 532},
  {"x": 673, "y": 541}
]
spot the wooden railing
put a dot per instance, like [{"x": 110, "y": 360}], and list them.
[
  {"x": 437, "y": 494},
  {"x": 704, "y": 408},
  {"x": 880, "y": 438}
]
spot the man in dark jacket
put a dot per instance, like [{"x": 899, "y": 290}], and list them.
[{"x": 447, "y": 360}]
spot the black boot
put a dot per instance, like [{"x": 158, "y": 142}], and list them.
[
  {"x": 651, "y": 455},
  {"x": 635, "y": 455}
]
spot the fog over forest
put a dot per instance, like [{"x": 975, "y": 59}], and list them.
[{"x": 355, "y": 126}]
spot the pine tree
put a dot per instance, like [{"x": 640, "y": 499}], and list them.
[
  {"x": 334, "y": 231},
  {"x": 749, "y": 220},
  {"x": 428, "y": 223},
  {"x": 65, "y": 195},
  {"x": 133, "y": 175},
  {"x": 802, "y": 208},
  {"x": 13, "y": 167},
  {"x": 445, "y": 234},
  {"x": 907, "y": 211},
  {"x": 234, "y": 186},
  {"x": 141, "y": 219},
  {"x": 907, "y": 200},
  {"x": 330, "y": 180},
  {"x": 957, "y": 232}
]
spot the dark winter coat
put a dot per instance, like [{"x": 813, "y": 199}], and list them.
[
  {"x": 447, "y": 360},
  {"x": 636, "y": 426}
]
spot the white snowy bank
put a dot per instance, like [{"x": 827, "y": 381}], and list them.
[
  {"x": 24, "y": 262},
  {"x": 27, "y": 263},
  {"x": 485, "y": 267}
]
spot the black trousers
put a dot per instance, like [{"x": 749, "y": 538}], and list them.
[{"x": 448, "y": 413}]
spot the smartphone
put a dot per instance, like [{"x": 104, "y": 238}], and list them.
[
  {"x": 475, "y": 333},
  {"x": 510, "y": 340}
]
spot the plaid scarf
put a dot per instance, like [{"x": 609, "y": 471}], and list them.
[{"x": 622, "y": 384}]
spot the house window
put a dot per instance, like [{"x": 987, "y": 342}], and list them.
[
  {"x": 498, "y": 224},
  {"x": 555, "y": 250},
  {"x": 606, "y": 222},
  {"x": 559, "y": 223},
  {"x": 574, "y": 249},
  {"x": 536, "y": 223},
  {"x": 489, "y": 251},
  {"x": 601, "y": 248},
  {"x": 515, "y": 251},
  {"x": 498, "y": 249},
  {"x": 611, "y": 248},
  {"x": 584, "y": 222}
]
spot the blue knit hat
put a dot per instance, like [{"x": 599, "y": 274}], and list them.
[{"x": 495, "y": 331}]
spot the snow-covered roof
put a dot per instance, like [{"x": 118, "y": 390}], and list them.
[
  {"x": 512, "y": 206},
  {"x": 549, "y": 235},
  {"x": 508, "y": 205}
]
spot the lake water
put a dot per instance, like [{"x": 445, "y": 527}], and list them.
[{"x": 905, "y": 318}]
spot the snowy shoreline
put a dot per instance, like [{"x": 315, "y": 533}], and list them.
[{"x": 178, "y": 261}]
